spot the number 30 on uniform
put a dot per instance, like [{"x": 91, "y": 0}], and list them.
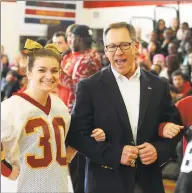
[{"x": 45, "y": 143}]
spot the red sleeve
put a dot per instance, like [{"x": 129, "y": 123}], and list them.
[
  {"x": 6, "y": 168},
  {"x": 87, "y": 67},
  {"x": 182, "y": 110},
  {"x": 161, "y": 126}
]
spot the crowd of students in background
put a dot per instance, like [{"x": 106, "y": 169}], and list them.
[{"x": 167, "y": 54}]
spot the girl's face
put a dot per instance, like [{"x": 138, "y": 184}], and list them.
[{"x": 44, "y": 75}]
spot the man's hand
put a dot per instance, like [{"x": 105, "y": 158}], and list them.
[
  {"x": 170, "y": 130},
  {"x": 70, "y": 152},
  {"x": 15, "y": 173},
  {"x": 129, "y": 155},
  {"x": 98, "y": 134},
  {"x": 147, "y": 153}
]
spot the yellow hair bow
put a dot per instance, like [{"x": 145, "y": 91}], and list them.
[{"x": 32, "y": 46}]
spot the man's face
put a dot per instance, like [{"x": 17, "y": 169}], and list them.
[
  {"x": 178, "y": 81},
  {"x": 122, "y": 59},
  {"x": 61, "y": 43}
]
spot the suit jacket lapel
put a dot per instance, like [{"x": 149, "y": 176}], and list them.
[
  {"x": 145, "y": 92},
  {"x": 115, "y": 97}
]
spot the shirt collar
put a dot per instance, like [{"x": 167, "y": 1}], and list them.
[{"x": 136, "y": 75}]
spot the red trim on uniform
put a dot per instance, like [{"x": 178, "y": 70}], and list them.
[
  {"x": 46, "y": 109},
  {"x": 161, "y": 126},
  {"x": 6, "y": 168}
]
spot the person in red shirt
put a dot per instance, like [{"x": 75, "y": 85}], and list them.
[
  {"x": 67, "y": 60},
  {"x": 179, "y": 82},
  {"x": 80, "y": 63}
]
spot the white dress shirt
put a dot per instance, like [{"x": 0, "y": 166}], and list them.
[{"x": 130, "y": 91}]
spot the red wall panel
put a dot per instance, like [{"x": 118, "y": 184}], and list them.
[{"x": 103, "y": 4}]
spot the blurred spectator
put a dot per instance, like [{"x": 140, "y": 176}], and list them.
[
  {"x": 143, "y": 56},
  {"x": 172, "y": 49},
  {"x": 88, "y": 64},
  {"x": 189, "y": 64},
  {"x": 160, "y": 28},
  {"x": 144, "y": 66},
  {"x": 186, "y": 43},
  {"x": 157, "y": 68},
  {"x": 4, "y": 65},
  {"x": 22, "y": 78},
  {"x": 67, "y": 57},
  {"x": 172, "y": 63},
  {"x": 139, "y": 35},
  {"x": 174, "y": 27},
  {"x": 22, "y": 63},
  {"x": 160, "y": 59},
  {"x": 104, "y": 60},
  {"x": 50, "y": 41},
  {"x": 42, "y": 41},
  {"x": 152, "y": 49},
  {"x": 9, "y": 85},
  {"x": 2, "y": 50},
  {"x": 184, "y": 27},
  {"x": 173, "y": 91},
  {"x": 60, "y": 39},
  {"x": 186, "y": 68},
  {"x": 179, "y": 82},
  {"x": 168, "y": 36},
  {"x": 68, "y": 33}
]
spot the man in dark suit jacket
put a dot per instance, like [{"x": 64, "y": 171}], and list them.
[{"x": 129, "y": 104}]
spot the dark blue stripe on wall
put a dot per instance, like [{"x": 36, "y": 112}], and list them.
[
  {"x": 52, "y": 5},
  {"x": 48, "y": 21}
]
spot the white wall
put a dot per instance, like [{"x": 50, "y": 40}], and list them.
[
  {"x": 9, "y": 29},
  {"x": 12, "y": 20},
  {"x": 108, "y": 15}
]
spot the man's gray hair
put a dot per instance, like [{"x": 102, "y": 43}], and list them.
[{"x": 117, "y": 25}]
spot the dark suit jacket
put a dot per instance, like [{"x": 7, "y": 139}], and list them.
[{"x": 99, "y": 104}]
